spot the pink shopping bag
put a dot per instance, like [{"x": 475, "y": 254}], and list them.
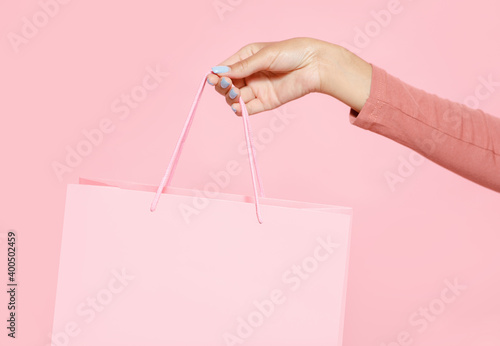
[
  {"x": 131, "y": 277},
  {"x": 128, "y": 276}
]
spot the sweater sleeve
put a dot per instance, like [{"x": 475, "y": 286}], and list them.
[{"x": 461, "y": 139}]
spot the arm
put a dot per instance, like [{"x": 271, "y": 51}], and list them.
[
  {"x": 269, "y": 74},
  {"x": 463, "y": 140}
]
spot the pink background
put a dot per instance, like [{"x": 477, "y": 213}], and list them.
[{"x": 434, "y": 226}]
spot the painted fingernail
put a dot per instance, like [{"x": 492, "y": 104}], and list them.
[
  {"x": 209, "y": 82},
  {"x": 232, "y": 94},
  {"x": 234, "y": 109},
  {"x": 220, "y": 69},
  {"x": 224, "y": 83}
]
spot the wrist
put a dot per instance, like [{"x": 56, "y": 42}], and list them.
[{"x": 344, "y": 75}]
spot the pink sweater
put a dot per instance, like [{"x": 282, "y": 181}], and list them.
[{"x": 461, "y": 139}]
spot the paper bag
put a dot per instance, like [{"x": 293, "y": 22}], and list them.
[{"x": 128, "y": 276}]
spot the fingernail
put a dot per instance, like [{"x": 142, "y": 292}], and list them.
[
  {"x": 224, "y": 83},
  {"x": 220, "y": 69},
  {"x": 208, "y": 81},
  {"x": 232, "y": 94},
  {"x": 234, "y": 109}
]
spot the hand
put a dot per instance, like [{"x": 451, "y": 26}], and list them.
[{"x": 270, "y": 74}]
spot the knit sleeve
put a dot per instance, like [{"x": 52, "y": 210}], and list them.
[{"x": 461, "y": 139}]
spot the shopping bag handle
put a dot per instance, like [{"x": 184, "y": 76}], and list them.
[{"x": 257, "y": 186}]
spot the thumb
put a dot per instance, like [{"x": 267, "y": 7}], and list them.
[{"x": 257, "y": 62}]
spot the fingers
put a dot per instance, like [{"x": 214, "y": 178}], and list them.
[
  {"x": 244, "y": 63},
  {"x": 244, "y": 53},
  {"x": 225, "y": 87},
  {"x": 259, "y": 61},
  {"x": 212, "y": 79},
  {"x": 248, "y": 60},
  {"x": 253, "y": 106},
  {"x": 232, "y": 95},
  {"x": 222, "y": 84}
]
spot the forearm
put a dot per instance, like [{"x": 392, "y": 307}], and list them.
[{"x": 463, "y": 140}]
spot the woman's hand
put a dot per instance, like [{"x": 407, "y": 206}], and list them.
[{"x": 270, "y": 74}]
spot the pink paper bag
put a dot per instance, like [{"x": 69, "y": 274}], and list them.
[{"x": 128, "y": 276}]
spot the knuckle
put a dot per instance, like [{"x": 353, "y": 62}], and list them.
[{"x": 244, "y": 64}]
